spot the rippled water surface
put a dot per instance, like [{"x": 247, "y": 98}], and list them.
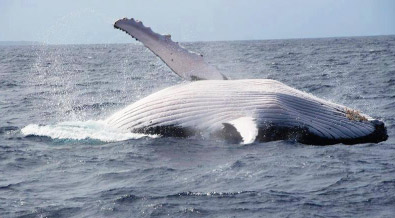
[{"x": 58, "y": 159}]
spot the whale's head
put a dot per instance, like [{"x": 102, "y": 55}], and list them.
[{"x": 380, "y": 132}]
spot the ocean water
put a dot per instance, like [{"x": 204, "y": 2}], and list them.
[{"x": 58, "y": 158}]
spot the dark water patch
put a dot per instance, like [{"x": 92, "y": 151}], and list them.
[
  {"x": 92, "y": 83},
  {"x": 95, "y": 106},
  {"x": 115, "y": 176},
  {"x": 391, "y": 81},
  {"x": 236, "y": 165},
  {"x": 8, "y": 129},
  {"x": 36, "y": 138},
  {"x": 128, "y": 199},
  {"x": 378, "y": 51},
  {"x": 61, "y": 142},
  {"x": 212, "y": 194},
  {"x": 10, "y": 186},
  {"x": 389, "y": 106},
  {"x": 91, "y": 93},
  {"x": 51, "y": 211},
  {"x": 316, "y": 87},
  {"x": 5, "y": 84}
]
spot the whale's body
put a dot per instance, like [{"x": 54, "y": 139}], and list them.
[
  {"x": 244, "y": 110},
  {"x": 206, "y": 107}
]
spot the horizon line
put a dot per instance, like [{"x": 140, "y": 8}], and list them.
[{"x": 35, "y": 43}]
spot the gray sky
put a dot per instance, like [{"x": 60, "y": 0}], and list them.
[{"x": 89, "y": 21}]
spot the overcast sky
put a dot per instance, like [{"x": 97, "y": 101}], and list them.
[{"x": 89, "y": 21}]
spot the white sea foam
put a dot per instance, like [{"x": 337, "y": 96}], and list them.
[{"x": 81, "y": 130}]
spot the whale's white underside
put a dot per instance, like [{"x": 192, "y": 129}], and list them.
[
  {"x": 206, "y": 105},
  {"x": 250, "y": 107}
]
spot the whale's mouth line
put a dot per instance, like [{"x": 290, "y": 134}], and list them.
[
  {"x": 378, "y": 135},
  {"x": 271, "y": 133}
]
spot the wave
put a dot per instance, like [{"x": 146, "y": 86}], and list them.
[{"x": 81, "y": 130}]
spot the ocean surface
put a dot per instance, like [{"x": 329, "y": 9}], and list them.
[{"x": 58, "y": 158}]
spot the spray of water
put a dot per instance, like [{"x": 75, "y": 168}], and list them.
[
  {"x": 64, "y": 76},
  {"x": 81, "y": 130}
]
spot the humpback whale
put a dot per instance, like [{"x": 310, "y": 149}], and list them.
[{"x": 241, "y": 111}]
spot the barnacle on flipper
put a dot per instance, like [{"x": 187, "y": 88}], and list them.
[{"x": 355, "y": 115}]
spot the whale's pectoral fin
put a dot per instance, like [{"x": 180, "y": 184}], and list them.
[
  {"x": 188, "y": 65},
  {"x": 243, "y": 129}
]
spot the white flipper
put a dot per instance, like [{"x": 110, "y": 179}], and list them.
[
  {"x": 186, "y": 64},
  {"x": 247, "y": 128}
]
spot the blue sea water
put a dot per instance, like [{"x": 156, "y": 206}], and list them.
[{"x": 58, "y": 159}]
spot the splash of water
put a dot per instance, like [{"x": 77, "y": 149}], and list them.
[{"x": 81, "y": 130}]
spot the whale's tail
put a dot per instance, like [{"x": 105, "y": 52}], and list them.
[{"x": 186, "y": 64}]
